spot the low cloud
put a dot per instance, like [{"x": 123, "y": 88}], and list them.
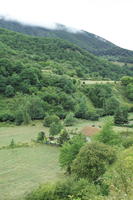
[{"x": 53, "y": 26}]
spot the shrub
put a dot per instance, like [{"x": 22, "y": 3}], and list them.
[
  {"x": 121, "y": 115},
  {"x": 49, "y": 119},
  {"x": 41, "y": 136},
  {"x": 55, "y": 128},
  {"x": 69, "y": 120},
  {"x": 63, "y": 137},
  {"x": 9, "y": 91},
  {"x": 7, "y": 117},
  {"x": 107, "y": 135},
  {"x": 69, "y": 151},
  {"x": 19, "y": 119},
  {"x": 92, "y": 161}
]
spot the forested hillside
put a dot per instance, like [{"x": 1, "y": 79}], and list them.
[
  {"x": 55, "y": 54},
  {"x": 65, "y": 120},
  {"x": 91, "y": 42}
]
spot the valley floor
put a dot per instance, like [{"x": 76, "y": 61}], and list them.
[{"x": 22, "y": 169}]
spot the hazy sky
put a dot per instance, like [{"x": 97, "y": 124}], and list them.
[{"x": 111, "y": 19}]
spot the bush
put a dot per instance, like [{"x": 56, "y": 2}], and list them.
[
  {"x": 7, "y": 117},
  {"x": 92, "y": 161},
  {"x": 69, "y": 120},
  {"x": 121, "y": 115},
  {"x": 65, "y": 190},
  {"x": 69, "y": 151},
  {"x": 41, "y": 136},
  {"x": 55, "y": 128},
  {"x": 107, "y": 135},
  {"x": 49, "y": 119},
  {"x": 127, "y": 142},
  {"x": 63, "y": 137},
  {"x": 9, "y": 91},
  {"x": 19, "y": 118}
]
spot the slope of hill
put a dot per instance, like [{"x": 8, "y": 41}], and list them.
[
  {"x": 83, "y": 39},
  {"x": 65, "y": 57}
]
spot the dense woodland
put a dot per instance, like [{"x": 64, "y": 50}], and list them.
[
  {"x": 45, "y": 79},
  {"x": 88, "y": 41}
]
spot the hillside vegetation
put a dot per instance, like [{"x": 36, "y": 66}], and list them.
[{"x": 88, "y": 41}]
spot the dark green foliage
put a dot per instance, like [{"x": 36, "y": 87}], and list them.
[
  {"x": 12, "y": 144},
  {"x": 9, "y": 91},
  {"x": 7, "y": 116},
  {"x": 69, "y": 120},
  {"x": 19, "y": 119},
  {"x": 111, "y": 105},
  {"x": 92, "y": 161},
  {"x": 49, "y": 119},
  {"x": 65, "y": 190},
  {"x": 55, "y": 128},
  {"x": 127, "y": 82},
  {"x": 69, "y": 151},
  {"x": 107, "y": 135},
  {"x": 63, "y": 137},
  {"x": 99, "y": 94},
  {"x": 41, "y": 136},
  {"x": 35, "y": 108},
  {"x": 29, "y": 54},
  {"x": 121, "y": 115},
  {"x": 83, "y": 39}
]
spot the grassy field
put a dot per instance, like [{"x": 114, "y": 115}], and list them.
[
  {"x": 20, "y": 133},
  {"x": 23, "y": 169}
]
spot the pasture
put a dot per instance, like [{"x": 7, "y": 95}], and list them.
[{"x": 22, "y": 169}]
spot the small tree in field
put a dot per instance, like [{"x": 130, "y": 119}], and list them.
[
  {"x": 41, "y": 136},
  {"x": 55, "y": 128}
]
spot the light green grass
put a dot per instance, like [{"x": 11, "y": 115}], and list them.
[
  {"x": 20, "y": 133},
  {"x": 23, "y": 169},
  {"x": 96, "y": 82}
]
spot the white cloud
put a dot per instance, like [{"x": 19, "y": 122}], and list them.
[{"x": 111, "y": 19}]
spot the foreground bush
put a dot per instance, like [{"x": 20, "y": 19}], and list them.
[
  {"x": 65, "y": 190},
  {"x": 93, "y": 160}
]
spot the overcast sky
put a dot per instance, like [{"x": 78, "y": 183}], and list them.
[{"x": 110, "y": 19}]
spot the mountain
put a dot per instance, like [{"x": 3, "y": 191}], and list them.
[
  {"x": 57, "y": 55},
  {"x": 88, "y": 41}
]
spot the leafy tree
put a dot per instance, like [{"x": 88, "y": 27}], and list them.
[
  {"x": 110, "y": 106},
  {"x": 19, "y": 117},
  {"x": 92, "y": 161},
  {"x": 49, "y": 119},
  {"x": 9, "y": 91},
  {"x": 41, "y": 136},
  {"x": 107, "y": 135},
  {"x": 69, "y": 120},
  {"x": 35, "y": 107},
  {"x": 69, "y": 151},
  {"x": 55, "y": 128},
  {"x": 63, "y": 137},
  {"x": 121, "y": 115},
  {"x": 82, "y": 109}
]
